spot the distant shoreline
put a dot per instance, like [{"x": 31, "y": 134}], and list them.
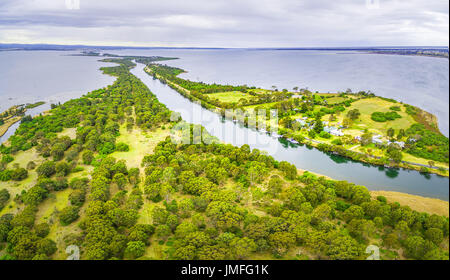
[{"x": 11, "y": 120}]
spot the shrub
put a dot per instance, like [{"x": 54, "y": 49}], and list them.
[
  {"x": 325, "y": 135},
  {"x": 68, "y": 215},
  {"x": 7, "y": 159},
  {"x": 42, "y": 230},
  {"x": 5, "y": 175},
  {"x": 88, "y": 157},
  {"x": 19, "y": 174},
  {"x": 122, "y": 147},
  {"x": 31, "y": 165},
  {"x": 4, "y": 197},
  {"x": 46, "y": 169},
  {"x": 135, "y": 249},
  {"x": 383, "y": 117}
]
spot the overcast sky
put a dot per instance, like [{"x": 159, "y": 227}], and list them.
[{"x": 227, "y": 23}]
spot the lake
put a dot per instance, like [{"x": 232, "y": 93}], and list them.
[{"x": 50, "y": 76}]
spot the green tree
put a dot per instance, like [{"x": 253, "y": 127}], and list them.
[{"x": 135, "y": 249}]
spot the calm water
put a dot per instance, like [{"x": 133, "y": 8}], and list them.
[
  {"x": 416, "y": 80},
  {"x": 50, "y": 76},
  {"x": 336, "y": 167}
]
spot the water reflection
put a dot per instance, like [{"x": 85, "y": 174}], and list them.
[{"x": 392, "y": 172}]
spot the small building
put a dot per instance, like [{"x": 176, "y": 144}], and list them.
[
  {"x": 358, "y": 138},
  {"x": 333, "y": 131},
  {"x": 301, "y": 122},
  {"x": 297, "y": 96},
  {"x": 377, "y": 140},
  {"x": 399, "y": 143}
]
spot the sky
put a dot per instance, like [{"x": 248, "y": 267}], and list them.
[{"x": 226, "y": 23}]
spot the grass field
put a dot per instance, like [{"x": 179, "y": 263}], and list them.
[
  {"x": 140, "y": 143},
  {"x": 371, "y": 105},
  {"x": 334, "y": 100},
  {"x": 418, "y": 203},
  {"x": 230, "y": 96}
]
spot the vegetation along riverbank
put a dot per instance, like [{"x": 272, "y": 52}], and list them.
[
  {"x": 360, "y": 126},
  {"x": 14, "y": 114},
  {"x": 100, "y": 172}
]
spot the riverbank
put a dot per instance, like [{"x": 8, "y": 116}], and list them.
[
  {"x": 7, "y": 124},
  {"x": 15, "y": 114},
  {"x": 375, "y": 157},
  {"x": 415, "y": 202},
  {"x": 418, "y": 203}
]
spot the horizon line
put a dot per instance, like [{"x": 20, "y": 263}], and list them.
[{"x": 189, "y": 47}]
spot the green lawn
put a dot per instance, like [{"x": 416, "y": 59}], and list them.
[
  {"x": 140, "y": 143},
  {"x": 370, "y": 105},
  {"x": 230, "y": 96}
]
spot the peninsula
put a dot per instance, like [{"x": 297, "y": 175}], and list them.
[{"x": 102, "y": 173}]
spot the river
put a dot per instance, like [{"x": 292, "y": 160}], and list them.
[
  {"x": 336, "y": 167},
  {"x": 53, "y": 76},
  {"x": 416, "y": 80}
]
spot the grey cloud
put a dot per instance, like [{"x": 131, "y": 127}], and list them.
[{"x": 226, "y": 23}]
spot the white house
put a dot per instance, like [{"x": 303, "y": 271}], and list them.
[
  {"x": 377, "y": 140},
  {"x": 301, "y": 122},
  {"x": 399, "y": 143},
  {"x": 333, "y": 131}
]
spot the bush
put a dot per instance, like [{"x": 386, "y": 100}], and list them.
[
  {"x": 383, "y": 117},
  {"x": 42, "y": 230},
  {"x": 135, "y": 249},
  {"x": 19, "y": 174},
  {"x": 423, "y": 169},
  {"x": 31, "y": 165},
  {"x": 77, "y": 197},
  {"x": 7, "y": 159},
  {"x": 382, "y": 199},
  {"x": 68, "y": 215},
  {"x": 122, "y": 147},
  {"x": 325, "y": 135},
  {"x": 5, "y": 175},
  {"x": 62, "y": 168},
  {"x": 312, "y": 134},
  {"x": 4, "y": 197},
  {"x": 46, "y": 169},
  {"x": 88, "y": 157}
]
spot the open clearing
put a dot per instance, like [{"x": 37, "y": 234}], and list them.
[
  {"x": 141, "y": 144},
  {"x": 230, "y": 96},
  {"x": 418, "y": 203},
  {"x": 371, "y": 105}
]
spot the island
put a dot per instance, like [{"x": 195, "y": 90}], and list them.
[{"x": 100, "y": 177}]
